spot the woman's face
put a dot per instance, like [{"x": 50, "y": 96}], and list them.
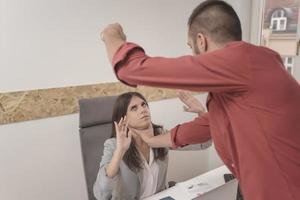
[{"x": 138, "y": 113}]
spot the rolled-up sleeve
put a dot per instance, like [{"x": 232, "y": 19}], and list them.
[
  {"x": 122, "y": 56},
  {"x": 194, "y": 132}
]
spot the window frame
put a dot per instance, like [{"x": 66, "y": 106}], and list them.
[
  {"x": 288, "y": 65},
  {"x": 278, "y": 16}
]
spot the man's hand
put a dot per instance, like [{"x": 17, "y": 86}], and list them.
[
  {"x": 113, "y": 37},
  {"x": 147, "y": 135},
  {"x": 112, "y": 32}
]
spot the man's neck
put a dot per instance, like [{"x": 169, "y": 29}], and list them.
[{"x": 216, "y": 46}]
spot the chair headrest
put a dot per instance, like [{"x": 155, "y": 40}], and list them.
[{"x": 95, "y": 111}]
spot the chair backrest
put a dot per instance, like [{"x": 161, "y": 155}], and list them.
[{"x": 95, "y": 119}]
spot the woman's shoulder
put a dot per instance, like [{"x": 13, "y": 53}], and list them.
[{"x": 111, "y": 142}]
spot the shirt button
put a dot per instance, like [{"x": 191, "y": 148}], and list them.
[{"x": 232, "y": 165}]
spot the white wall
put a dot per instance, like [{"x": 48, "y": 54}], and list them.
[
  {"x": 41, "y": 160},
  {"x": 45, "y": 44},
  {"x": 58, "y": 40},
  {"x": 257, "y": 9}
]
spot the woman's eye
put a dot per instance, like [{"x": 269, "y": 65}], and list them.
[
  {"x": 134, "y": 108},
  {"x": 144, "y": 104}
]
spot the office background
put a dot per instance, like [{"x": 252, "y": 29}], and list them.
[{"x": 53, "y": 44}]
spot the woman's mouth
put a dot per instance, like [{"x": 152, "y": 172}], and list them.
[{"x": 145, "y": 117}]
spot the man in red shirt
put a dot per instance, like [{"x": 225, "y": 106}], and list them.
[{"x": 253, "y": 104}]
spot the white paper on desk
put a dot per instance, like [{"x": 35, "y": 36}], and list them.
[{"x": 195, "y": 189}]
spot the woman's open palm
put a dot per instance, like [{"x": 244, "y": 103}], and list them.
[{"x": 122, "y": 135}]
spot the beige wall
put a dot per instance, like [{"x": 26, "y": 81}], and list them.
[
  {"x": 296, "y": 70},
  {"x": 284, "y": 46}
]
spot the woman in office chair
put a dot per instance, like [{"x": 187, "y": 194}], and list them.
[{"x": 129, "y": 168}]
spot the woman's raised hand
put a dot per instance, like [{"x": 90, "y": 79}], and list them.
[{"x": 123, "y": 136}]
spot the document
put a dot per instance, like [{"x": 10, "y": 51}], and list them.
[{"x": 195, "y": 188}]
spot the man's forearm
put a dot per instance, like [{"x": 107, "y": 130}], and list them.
[
  {"x": 113, "y": 37},
  {"x": 112, "y": 46},
  {"x": 163, "y": 140}
]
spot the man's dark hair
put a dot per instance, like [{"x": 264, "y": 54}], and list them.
[{"x": 216, "y": 19}]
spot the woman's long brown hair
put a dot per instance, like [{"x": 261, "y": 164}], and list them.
[{"x": 132, "y": 157}]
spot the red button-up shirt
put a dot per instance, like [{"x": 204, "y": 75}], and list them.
[{"x": 253, "y": 111}]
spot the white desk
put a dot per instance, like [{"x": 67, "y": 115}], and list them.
[{"x": 201, "y": 186}]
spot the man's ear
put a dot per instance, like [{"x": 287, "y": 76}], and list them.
[{"x": 201, "y": 42}]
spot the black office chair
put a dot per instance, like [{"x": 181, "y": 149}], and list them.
[
  {"x": 229, "y": 177},
  {"x": 95, "y": 118}
]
